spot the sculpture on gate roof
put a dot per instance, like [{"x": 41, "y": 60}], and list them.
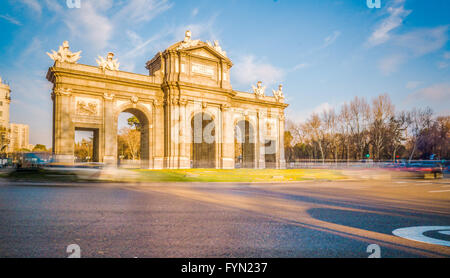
[
  {"x": 109, "y": 63},
  {"x": 279, "y": 93},
  {"x": 259, "y": 89},
  {"x": 217, "y": 47},
  {"x": 188, "y": 42},
  {"x": 64, "y": 54}
]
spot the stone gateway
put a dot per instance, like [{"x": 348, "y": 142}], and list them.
[{"x": 188, "y": 112}]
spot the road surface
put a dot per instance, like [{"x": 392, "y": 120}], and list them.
[{"x": 303, "y": 219}]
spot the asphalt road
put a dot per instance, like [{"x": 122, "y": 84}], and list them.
[{"x": 304, "y": 219}]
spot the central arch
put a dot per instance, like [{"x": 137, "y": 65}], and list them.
[
  {"x": 143, "y": 117},
  {"x": 203, "y": 150}
]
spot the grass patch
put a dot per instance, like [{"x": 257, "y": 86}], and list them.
[{"x": 237, "y": 175}]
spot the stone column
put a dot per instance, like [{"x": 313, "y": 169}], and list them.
[
  {"x": 109, "y": 131},
  {"x": 184, "y": 160},
  {"x": 281, "y": 157},
  {"x": 227, "y": 139},
  {"x": 63, "y": 128},
  {"x": 260, "y": 144},
  {"x": 158, "y": 135}
]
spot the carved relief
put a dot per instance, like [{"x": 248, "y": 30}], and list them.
[
  {"x": 61, "y": 92},
  {"x": 108, "y": 96},
  {"x": 87, "y": 108},
  {"x": 134, "y": 99},
  {"x": 158, "y": 103}
]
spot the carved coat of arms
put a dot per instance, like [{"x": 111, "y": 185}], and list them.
[{"x": 86, "y": 108}]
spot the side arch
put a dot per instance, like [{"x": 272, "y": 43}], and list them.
[{"x": 244, "y": 143}]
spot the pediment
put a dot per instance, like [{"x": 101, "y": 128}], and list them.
[
  {"x": 204, "y": 53},
  {"x": 208, "y": 52}
]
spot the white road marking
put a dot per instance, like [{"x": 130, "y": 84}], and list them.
[
  {"x": 437, "y": 191},
  {"x": 417, "y": 234},
  {"x": 445, "y": 232}
]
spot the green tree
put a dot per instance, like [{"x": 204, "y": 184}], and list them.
[
  {"x": 39, "y": 148},
  {"x": 134, "y": 123}
]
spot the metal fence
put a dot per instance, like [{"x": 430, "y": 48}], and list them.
[{"x": 359, "y": 164}]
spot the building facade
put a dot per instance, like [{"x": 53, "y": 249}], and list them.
[
  {"x": 19, "y": 137},
  {"x": 5, "y": 99},
  {"x": 188, "y": 112}
]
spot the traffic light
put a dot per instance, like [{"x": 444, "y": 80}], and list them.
[{"x": 367, "y": 155}]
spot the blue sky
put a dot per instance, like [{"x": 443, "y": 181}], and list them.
[{"x": 324, "y": 52}]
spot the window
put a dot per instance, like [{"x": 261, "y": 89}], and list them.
[{"x": 1, "y": 103}]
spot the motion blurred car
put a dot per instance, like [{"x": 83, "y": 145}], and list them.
[{"x": 425, "y": 168}]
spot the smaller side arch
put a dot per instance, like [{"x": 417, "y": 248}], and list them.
[{"x": 245, "y": 143}]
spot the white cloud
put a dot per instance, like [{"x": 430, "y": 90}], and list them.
[
  {"x": 89, "y": 25},
  {"x": 142, "y": 10},
  {"x": 322, "y": 107},
  {"x": 300, "y": 66},
  {"x": 32, "y": 50},
  {"x": 397, "y": 14},
  {"x": 194, "y": 12},
  {"x": 10, "y": 19},
  {"x": 442, "y": 65},
  {"x": 415, "y": 44},
  {"x": 413, "y": 84},
  {"x": 54, "y": 5},
  {"x": 331, "y": 39},
  {"x": 423, "y": 41},
  {"x": 299, "y": 116},
  {"x": 34, "y": 5},
  {"x": 435, "y": 93},
  {"x": 248, "y": 71},
  {"x": 390, "y": 64},
  {"x": 203, "y": 30}
]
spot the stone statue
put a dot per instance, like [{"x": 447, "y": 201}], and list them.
[
  {"x": 279, "y": 93},
  {"x": 64, "y": 54},
  {"x": 259, "y": 89},
  {"x": 188, "y": 42},
  {"x": 217, "y": 47},
  {"x": 109, "y": 63}
]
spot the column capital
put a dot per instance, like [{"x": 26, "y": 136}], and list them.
[{"x": 107, "y": 96}]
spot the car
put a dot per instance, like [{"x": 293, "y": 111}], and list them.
[{"x": 424, "y": 168}]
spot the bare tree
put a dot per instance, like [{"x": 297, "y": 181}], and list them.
[
  {"x": 345, "y": 118},
  {"x": 382, "y": 111},
  {"x": 330, "y": 122},
  {"x": 314, "y": 127},
  {"x": 420, "y": 120},
  {"x": 130, "y": 138}
]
